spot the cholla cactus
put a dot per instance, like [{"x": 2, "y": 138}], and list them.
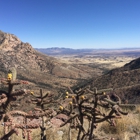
[
  {"x": 84, "y": 104},
  {"x": 80, "y": 105},
  {"x": 26, "y": 125},
  {"x": 41, "y": 101},
  {"x": 8, "y": 117},
  {"x": 8, "y": 96}
]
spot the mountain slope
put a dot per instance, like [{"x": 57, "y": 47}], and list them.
[
  {"x": 125, "y": 81},
  {"x": 135, "y": 64},
  {"x": 34, "y": 66}
]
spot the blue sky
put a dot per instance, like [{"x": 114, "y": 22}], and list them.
[{"x": 73, "y": 23}]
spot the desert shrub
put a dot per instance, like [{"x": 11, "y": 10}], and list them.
[
  {"x": 137, "y": 111},
  {"x": 125, "y": 127},
  {"x": 121, "y": 126}
]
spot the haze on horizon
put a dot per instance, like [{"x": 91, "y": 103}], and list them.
[{"x": 73, "y": 23}]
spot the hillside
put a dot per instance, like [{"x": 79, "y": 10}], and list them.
[
  {"x": 41, "y": 70},
  {"x": 53, "y": 74},
  {"x": 125, "y": 81}
]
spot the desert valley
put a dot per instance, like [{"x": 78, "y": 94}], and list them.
[{"x": 57, "y": 71}]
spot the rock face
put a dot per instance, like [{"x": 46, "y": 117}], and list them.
[
  {"x": 35, "y": 66},
  {"x": 8, "y": 41},
  {"x": 20, "y": 55}
]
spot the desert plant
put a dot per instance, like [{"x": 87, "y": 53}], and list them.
[
  {"x": 41, "y": 101},
  {"x": 126, "y": 127},
  {"x": 7, "y": 116},
  {"x": 80, "y": 106},
  {"x": 85, "y": 104}
]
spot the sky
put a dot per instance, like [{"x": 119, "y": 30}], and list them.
[{"x": 73, "y": 23}]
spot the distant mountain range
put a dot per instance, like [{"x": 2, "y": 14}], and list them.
[
  {"x": 59, "y": 51},
  {"x": 68, "y": 51}
]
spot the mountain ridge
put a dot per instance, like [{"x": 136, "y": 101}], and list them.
[
  {"x": 69, "y": 51},
  {"x": 35, "y": 66},
  {"x": 125, "y": 81}
]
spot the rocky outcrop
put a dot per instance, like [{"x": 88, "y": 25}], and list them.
[
  {"x": 35, "y": 66},
  {"x": 8, "y": 41}
]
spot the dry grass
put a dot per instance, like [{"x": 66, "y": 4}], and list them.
[
  {"x": 111, "y": 61},
  {"x": 137, "y": 111},
  {"x": 35, "y": 134},
  {"x": 126, "y": 128}
]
